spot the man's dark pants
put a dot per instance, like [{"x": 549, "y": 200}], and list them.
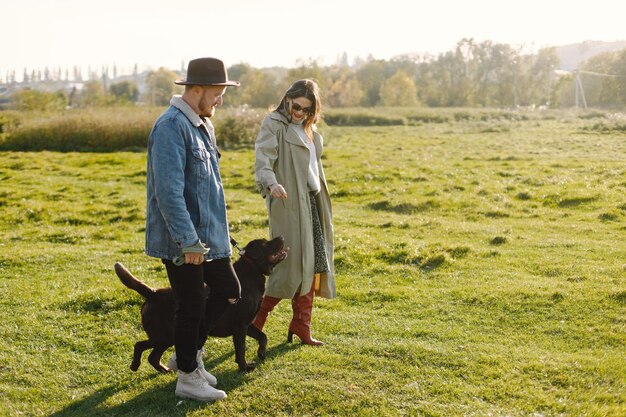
[{"x": 196, "y": 314}]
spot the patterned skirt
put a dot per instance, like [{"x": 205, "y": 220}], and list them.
[{"x": 321, "y": 261}]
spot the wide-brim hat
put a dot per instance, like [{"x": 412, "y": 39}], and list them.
[{"x": 206, "y": 71}]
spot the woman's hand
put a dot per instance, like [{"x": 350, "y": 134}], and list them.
[{"x": 278, "y": 191}]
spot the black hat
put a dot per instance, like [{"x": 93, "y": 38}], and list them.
[{"x": 207, "y": 71}]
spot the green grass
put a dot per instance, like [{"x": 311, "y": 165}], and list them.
[{"x": 480, "y": 271}]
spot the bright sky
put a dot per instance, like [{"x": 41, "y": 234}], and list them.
[{"x": 35, "y": 34}]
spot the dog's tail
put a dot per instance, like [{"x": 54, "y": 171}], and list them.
[{"x": 131, "y": 282}]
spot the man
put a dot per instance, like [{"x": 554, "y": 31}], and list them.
[{"x": 186, "y": 223}]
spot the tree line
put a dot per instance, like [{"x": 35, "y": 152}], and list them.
[{"x": 473, "y": 74}]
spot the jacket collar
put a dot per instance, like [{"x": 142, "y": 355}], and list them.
[
  {"x": 278, "y": 116},
  {"x": 178, "y": 102}
]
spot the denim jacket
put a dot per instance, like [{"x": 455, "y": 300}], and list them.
[{"x": 185, "y": 196}]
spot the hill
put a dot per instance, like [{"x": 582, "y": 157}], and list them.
[{"x": 571, "y": 56}]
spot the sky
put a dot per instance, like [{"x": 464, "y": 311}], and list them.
[{"x": 35, "y": 34}]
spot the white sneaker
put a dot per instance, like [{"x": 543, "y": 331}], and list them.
[
  {"x": 171, "y": 363},
  {"x": 193, "y": 385},
  {"x": 206, "y": 374}
]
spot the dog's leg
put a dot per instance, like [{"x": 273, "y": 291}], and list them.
[
  {"x": 239, "y": 340},
  {"x": 137, "y": 352},
  {"x": 155, "y": 358},
  {"x": 260, "y": 337}
]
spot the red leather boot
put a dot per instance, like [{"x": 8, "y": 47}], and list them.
[
  {"x": 267, "y": 304},
  {"x": 301, "y": 321}
]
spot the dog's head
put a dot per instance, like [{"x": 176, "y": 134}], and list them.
[{"x": 265, "y": 254}]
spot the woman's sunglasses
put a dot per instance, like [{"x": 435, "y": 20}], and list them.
[{"x": 297, "y": 107}]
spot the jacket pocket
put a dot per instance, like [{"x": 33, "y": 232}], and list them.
[{"x": 201, "y": 162}]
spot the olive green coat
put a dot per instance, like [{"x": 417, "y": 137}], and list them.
[{"x": 281, "y": 157}]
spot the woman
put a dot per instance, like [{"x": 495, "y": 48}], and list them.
[{"x": 289, "y": 175}]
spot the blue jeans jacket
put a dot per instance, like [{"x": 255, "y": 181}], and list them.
[{"x": 185, "y": 196}]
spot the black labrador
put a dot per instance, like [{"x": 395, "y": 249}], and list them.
[{"x": 257, "y": 260}]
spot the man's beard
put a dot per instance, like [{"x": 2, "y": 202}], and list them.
[{"x": 208, "y": 112}]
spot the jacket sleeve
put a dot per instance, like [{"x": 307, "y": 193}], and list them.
[
  {"x": 168, "y": 165},
  {"x": 266, "y": 154}
]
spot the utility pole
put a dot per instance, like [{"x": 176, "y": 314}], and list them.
[{"x": 579, "y": 89}]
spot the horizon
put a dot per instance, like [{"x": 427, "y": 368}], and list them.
[
  {"x": 113, "y": 71},
  {"x": 158, "y": 34}
]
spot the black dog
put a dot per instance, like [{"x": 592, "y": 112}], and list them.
[{"x": 257, "y": 260}]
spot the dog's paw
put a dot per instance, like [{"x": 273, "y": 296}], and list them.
[{"x": 248, "y": 367}]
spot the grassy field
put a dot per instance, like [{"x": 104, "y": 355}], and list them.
[{"x": 481, "y": 272}]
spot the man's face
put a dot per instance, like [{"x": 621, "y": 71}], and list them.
[{"x": 210, "y": 99}]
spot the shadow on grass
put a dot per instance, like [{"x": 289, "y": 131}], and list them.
[{"x": 159, "y": 399}]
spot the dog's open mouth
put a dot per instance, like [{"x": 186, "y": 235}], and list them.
[{"x": 279, "y": 256}]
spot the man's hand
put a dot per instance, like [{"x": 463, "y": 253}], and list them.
[
  {"x": 195, "y": 254},
  {"x": 194, "y": 258}
]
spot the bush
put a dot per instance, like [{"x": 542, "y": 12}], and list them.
[
  {"x": 362, "y": 119},
  {"x": 35, "y": 100},
  {"x": 237, "y": 127},
  {"x": 100, "y": 131},
  {"x": 608, "y": 127},
  {"x": 462, "y": 116},
  {"x": 113, "y": 129},
  {"x": 8, "y": 121},
  {"x": 427, "y": 118}
]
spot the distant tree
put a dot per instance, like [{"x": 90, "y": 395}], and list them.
[
  {"x": 72, "y": 97},
  {"x": 408, "y": 63},
  {"x": 259, "y": 89},
  {"x": 160, "y": 87},
  {"x": 105, "y": 78},
  {"x": 492, "y": 70},
  {"x": 235, "y": 72},
  {"x": 357, "y": 61},
  {"x": 345, "y": 92},
  {"x": 342, "y": 60},
  {"x": 370, "y": 76},
  {"x": 562, "y": 94},
  {"x": 483, "y": 74},
  {"x": 399, "y": 90},
  {"x": 125, "y": 91},
  {"x": 93, "y": 94},
  {"x": 604, "y": 79},
  {"x": 537, "y": 83},
  {"x": 306, "y": 69},
  {"x": 619, "y": 69},
  {"x": 78, "y": 76},
  {"x": 236, "y": 96},
  {"x": 35, "y": 100},
  {"x": 460, "y": 74}
]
